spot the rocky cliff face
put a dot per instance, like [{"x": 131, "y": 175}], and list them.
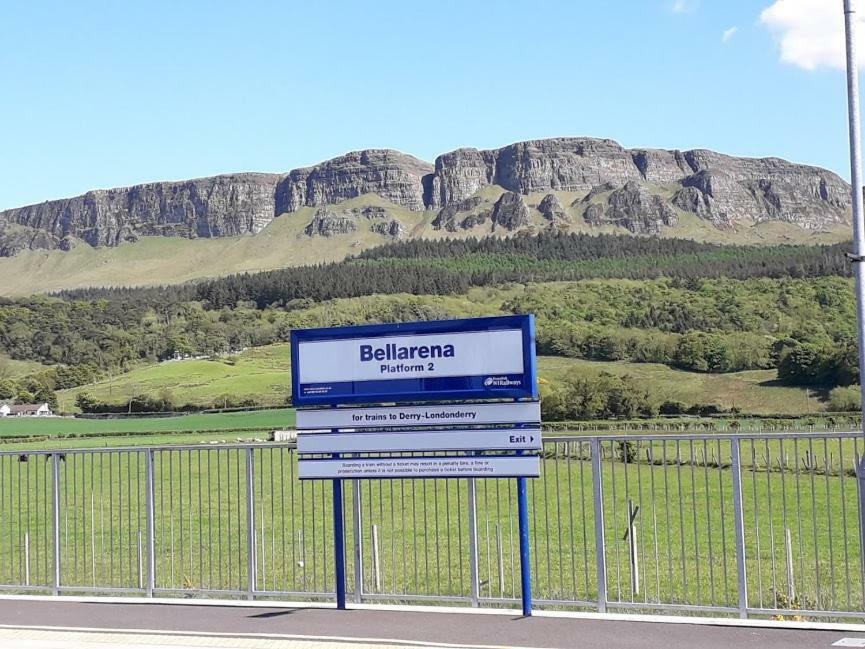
[
  {"x": 209, "y": 207},
  {"x": 395, "y": 176},
  {"x": 641, "y": 190},
  {"x": 729, "y": 188}
]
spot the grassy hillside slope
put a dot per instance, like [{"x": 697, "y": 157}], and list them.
[
  {"x": 11, "y": 368},
  {"x": 264, "y": 373},
  {"x": 165, "y": 260}
]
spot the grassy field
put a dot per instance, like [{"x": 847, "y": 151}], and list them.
[
  {"x": 684, "y": 539},
  {"x": 197, "y": 422},
  {"x": 11, "y": 368},
  {"x": 754, "y": 391},
  {"x": 264, "y": 373}
]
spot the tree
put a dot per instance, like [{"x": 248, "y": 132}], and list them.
[
  {"x": 8, "y": 389},
  {"x": 85, "y": 402}
]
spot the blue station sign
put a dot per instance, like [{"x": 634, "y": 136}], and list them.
[{"x": 479, "y": 358}]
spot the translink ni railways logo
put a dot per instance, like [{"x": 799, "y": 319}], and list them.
[
  {"x": 501, "y": 382},
  {"x": 394, "y": 352}
]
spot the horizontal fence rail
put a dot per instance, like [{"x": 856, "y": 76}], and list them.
[{"x": 739, "y": 524}]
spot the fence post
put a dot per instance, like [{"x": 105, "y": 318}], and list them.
[
  {"x": 600, "y": 545},
  {"x": 739, "y": 522},
  {"x": 55, "y": 457},
  {"x": 860, "y": 488},
  {"x": 151, "y": 522},
  {"x": 473, "y": 542},
  {"x": 250, "y": 524},
  {"x": 358, "y": 543}
]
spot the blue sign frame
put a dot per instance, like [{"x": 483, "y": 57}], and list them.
[{"x": 408, "y": 390}]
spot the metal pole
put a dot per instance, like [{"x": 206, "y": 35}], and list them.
[
  {"x": 600, "y": 543},
  {"x": 26, "y": 558},
  {"x": 151, "y": 522},
  {"x": 854, "y": 125},
  {"x": 56, "y": 515},
  {"x": 252, "y": 560},
  {"x": 376, "y": 566},
  {"x": 338, "y": 542},
  {"x": 358, "y": 543},
  {"x": 631, "y": 536},
  {"x": 473, "y": 543},
  {"x": 739, "y": 524},
  {"x": 525, "y": 557}
]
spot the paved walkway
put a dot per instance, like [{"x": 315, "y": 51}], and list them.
[{"x": 59, "y": 624}]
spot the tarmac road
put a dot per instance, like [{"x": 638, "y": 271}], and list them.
[{"x": 33, "y": 624}]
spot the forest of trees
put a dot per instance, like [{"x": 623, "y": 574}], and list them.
[{"x": 696, "y": 306}]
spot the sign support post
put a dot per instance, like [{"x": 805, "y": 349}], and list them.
[
  {"x": 525, "y": 554},
  {"x": 338, "y": 542}
]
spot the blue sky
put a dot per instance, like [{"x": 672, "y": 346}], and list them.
[{"x": 103, "y": 94}]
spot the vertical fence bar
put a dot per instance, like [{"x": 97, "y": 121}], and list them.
[
  {"x": 27, "y": 558},
  {"x": 252, "y": 561},
  {"x": 473, "y": 542},
  {"x": 376, "y": 560},
  {"x": 149, "y": 503},
  {"x": 633, "y": 557},
  {"x": 55, "y": 458},
  {"x": 739, "y": 523},
  {"x": 600, "y": 548}
]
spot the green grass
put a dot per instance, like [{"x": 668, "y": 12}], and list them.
[
  {"x": 262, "y": 373},
  {"x": 199, "y": 422},
  {"x": 11, "y": 368},
  {"x": 754, "y": 391},
  {"x": 120, "y": 440}
]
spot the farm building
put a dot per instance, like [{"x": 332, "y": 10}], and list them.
[{"x": 25, "y": 410}]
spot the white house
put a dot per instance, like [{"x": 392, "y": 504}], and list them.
[{"x": 25, "y": 410}]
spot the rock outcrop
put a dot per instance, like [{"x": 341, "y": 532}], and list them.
[
  {"x": 634, "y": 208},
  {"x": 448, "y": 217},
  {"x": 326, "y": 224},
  {"x": 639, "y": 189},
  {"x": 552, "y": 210},
  {"x": 510, "y": 212},
  {"x": 691, "y": 199},
  {"x": 395, "y": 176},
  {"x": 389, "y": 228}
]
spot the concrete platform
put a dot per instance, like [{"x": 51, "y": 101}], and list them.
[{"x": 63, "y": 624}]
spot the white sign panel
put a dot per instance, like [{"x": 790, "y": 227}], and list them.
[
  {"x": 451, "y": 415},
  {"x": 474, "y": 353},
  {"x": 421, "y": 467},
  {"x": 448, "y": 440}
]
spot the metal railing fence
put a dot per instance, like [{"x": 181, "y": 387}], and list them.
[{"x": 739, "y": 524}]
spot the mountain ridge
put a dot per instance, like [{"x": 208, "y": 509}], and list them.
[{"x": 642, "y": 190}]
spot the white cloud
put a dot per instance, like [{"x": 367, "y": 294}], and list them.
[
  {"x": 683, "y": 6},
  {"x": 810, "y": 33},
  {"x": 728, "y": 34}
]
